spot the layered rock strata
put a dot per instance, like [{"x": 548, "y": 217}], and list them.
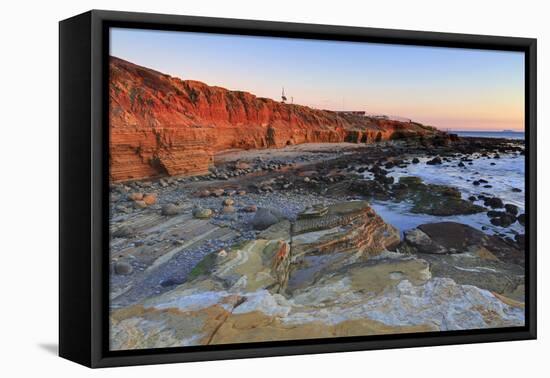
[
  {"x": 310, "y": 284},
  {"x": 162, "y": 125}
]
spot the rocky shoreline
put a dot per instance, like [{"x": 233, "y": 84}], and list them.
[{"x": 286, "y": 244}]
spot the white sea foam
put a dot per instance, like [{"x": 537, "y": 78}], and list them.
[{"x": 507, "y": 173}]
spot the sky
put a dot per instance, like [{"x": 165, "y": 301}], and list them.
[{"x": 450, "y": 88}]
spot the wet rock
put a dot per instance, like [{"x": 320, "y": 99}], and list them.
[
  {"x": 480, "y": 268},
  {"x": 472, "y": 198},
  {"x": 494, "y": 202},
  {"x": 415, "y": 160},
  {"x": 386, "y": 180},
  {"x": 433, "y": 199},
  {"x": 516, "y": 190},
  {"x": 503, "y": 220},
  {"x": 370, "y": 189},
  {"x": 511, "y": 209},
  {"x": 452, "y": 237},
  {"x": 123, "y": 268},
  {"x": 201, "y": 213},
  {"x": 495, "y": 213},
  {"x": 435, "y": 161},
  {"x": 520, "y": 239},
  {"x": 521, "y": 219}
]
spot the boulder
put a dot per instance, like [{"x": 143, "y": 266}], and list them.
[
  {"x": 494, "y": 202},
  {"x": 264, "y": 218},
  {"x": 511, "y": 209},
  {"x": 452, "y": 237},
  {"x": 503, "y": 220},
  {"x": 435, "y": 161}
]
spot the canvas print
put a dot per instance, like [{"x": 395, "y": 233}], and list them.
[{"x": 271, "y": 189}]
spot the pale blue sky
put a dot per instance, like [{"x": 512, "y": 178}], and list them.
[{"x": 448, "y": 88}]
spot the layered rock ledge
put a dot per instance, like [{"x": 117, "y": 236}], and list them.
[
  {"x": 162, "y": 125},
  {"x": 326, "y": 274}
]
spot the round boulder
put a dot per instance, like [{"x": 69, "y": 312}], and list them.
[
  {"x": 264, "y": 218},
  {"x": 495, "y": 203},
  {"x": 123, "y": 268}
]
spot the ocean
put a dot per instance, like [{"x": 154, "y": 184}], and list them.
[
  {"x": 491, "y": 134},
  {"x": 507, "y": 172}
]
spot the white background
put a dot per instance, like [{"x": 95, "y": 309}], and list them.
[{"x": 29, "y": 186}]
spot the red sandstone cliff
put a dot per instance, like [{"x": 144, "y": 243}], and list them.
[{"x": 164, "y": 125}]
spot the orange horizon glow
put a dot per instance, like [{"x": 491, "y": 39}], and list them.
[{"x": 448, "y": 88}]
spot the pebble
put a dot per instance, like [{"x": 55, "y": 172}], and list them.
[
  {"x": 228, "y": 202},
  {"x": 228, "y": 209},
  {"x": 202, "y": 213},
  {"x": 218, "y": 192},
  {"x": 140, "y": 204},
  {"x": 170, "y": 209},
  {"x": 135, "y": 196},
  {"x": 250, "y": 209}
]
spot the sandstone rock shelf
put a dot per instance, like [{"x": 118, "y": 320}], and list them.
[{"x": 162, "y": 125}]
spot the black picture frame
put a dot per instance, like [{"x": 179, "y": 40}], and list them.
[{"x": 84, "y": 189}]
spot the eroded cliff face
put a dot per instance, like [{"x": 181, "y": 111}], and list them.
[{"x": 162, "y": 125}]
